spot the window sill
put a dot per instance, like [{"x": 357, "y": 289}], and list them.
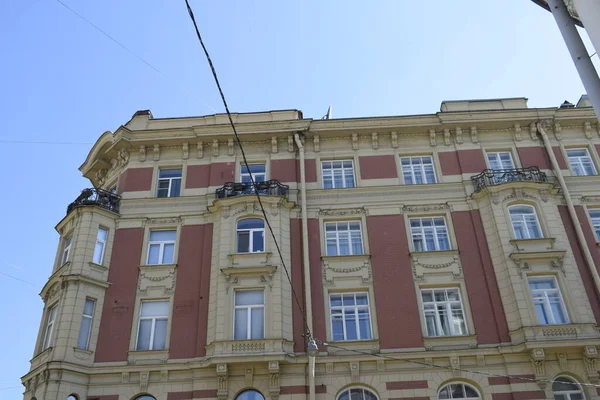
[
  {"x": 249, "y": 347},
  {"x": 148, "y": 267},
  {"x": 41, "y": 358},
  {"x": 450, "y": 342},
  {"x": 82, "y": 354},
  {"x": 243, "y": 260},
  {"x": 539, "y": 244},
  {"x": 347, "y": 347},
  {"x": 140, "y": 357},
  {"x": 346, "y": 258},
  {"x": 555, "y": 332},
  {"x": 434, "y": 252},
  {"x": 97, "y": 267}
]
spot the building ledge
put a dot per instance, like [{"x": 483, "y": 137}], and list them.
[
  {"x": 243, "y": 260},
  {"x": 537, "y": 244},
  {"x": 82, "y": 354},
  {"x": 553, "y": 333},
  {"x": 252, "y": 347},
  {"x": 350, "y": 347},
  {"x": 142, "y": 357},
  {"x": 450, "y": 342},
  {"x": 41, "y": 358}
]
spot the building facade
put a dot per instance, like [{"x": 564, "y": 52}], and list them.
[{"x": 452, "y": 255}]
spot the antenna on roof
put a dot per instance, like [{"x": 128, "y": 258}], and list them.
[{"x": 328, "y": 115}]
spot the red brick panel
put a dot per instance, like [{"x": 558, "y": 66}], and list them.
[
  {"x": 471, "y": 161},
  {"x": 117, "y": 314},
  {"x": 135, "y": 180},
  {"x": 531, "y": 395},
  {"x": 310, "y": 170},
  {"x": 284, "y": 170},
  {"x": 401, "y": 385},
  {"x": 197, "y": 176},
  {"x": 449, "y": 163},
  {"x": 502, "y": 396},
  {"x": 598, "y": 149},
  {"x": 316, "y": 280},
  {"x": 204, "y": 290},
  {"x": 298, "y": 285},
  {"x": 560, "y": 158},
  {"x": 378, "y": 167},
  {"x": 586, "y": 275},
  {"x": 221, "y": 173},
  {"x": 187, "y": 317},
  {"x": 534, "y": 157},
  {"x": 482, "y": 288},
  {"x": 396, "y": 300}
]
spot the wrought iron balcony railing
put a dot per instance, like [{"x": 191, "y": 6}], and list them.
[
  {"x": 492, "y": 177},
  {"x": 269, "y": 188},
  {"x": 96, "y": 197}
]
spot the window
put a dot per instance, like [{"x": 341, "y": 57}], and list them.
[
  {"x": 257, "y": 171},
  {"x": 72, "y": 397},
  {"x": 145, "y": 397},
  {"x": 525, "y": 222},
  {"x": 49, "y": 329},
  {"x": 417, "y": 170},
  {"x": 564, "y": 388},
  {"x": 85, "y": 329},
  {"x": 101, "y": 237},
  {"x": 429, "y": 234},
  {"x": 249, "y": 315},
  {"x": 547, "y": 300},
  {"x": 66, "y": 249},
  {"x": 443, "y": 312},
  {"x": 152, "y": 328},
  {"x": 343, "y": 238},
  {"x": 250, "y": 395},
  {"x": 500, "y": 160},
  {"x": 169, "y": 182},
  {"x": 595, "y": 218},
  {"x": 337, "y": 174},
  {"x": 350, "y": 316},
  {"x": 161, "y": 247},
  {"x": 581, "y": 162},
  {"x": 357, "y": 394},
  {"x": 459, "y": 391},
  {"x": 251, "y": 235}
]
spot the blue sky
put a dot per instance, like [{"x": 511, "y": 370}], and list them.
[{"x": 63, "y": 81}]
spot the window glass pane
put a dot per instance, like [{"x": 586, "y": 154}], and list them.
[
  {"x": 102, "y": 233},
  {"x": 153, "y": 253},
  {"x": 470, "y": 391},
  {"x": 170, "y": 173},
  {"x": 241, "y": 324},
  {"x": 336, "y": 300},
  {"x": 257, "y": 323},
  {"x": 251, "y": 223},
  {"x": 364, "y": 324},
  {"x": 155, "y": 308},
  {"x": 168, "y": 253},
  {"x": 88, "y": 307},
  {"x": 160, "y": 334},
  {"x": 258, "y": 241},
  {"x": 162, "y": 236},
  {"x": 98, "y": 253},
  {"x": 243, "y": 242},
  {"x": 84, "y": 333},
  {"x": 143, "y": 342},
  {"x": 361, "y": 299},
  {"x": 175, "y": 187},
  {"x": 337, "y": 326},
  {"x": 249, "y": 297},
  {"x": 351, "y": 333}
]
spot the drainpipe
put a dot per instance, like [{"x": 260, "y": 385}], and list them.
[
  {"x": 306, "y": 265},
  {"x": 563, "y": 186}
]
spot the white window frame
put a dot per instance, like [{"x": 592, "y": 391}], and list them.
[
  {"x": 249, "y": 308},
  {"x": 522, "y": 220},
  {"x": 546, "y": 301},
  {"x": 594, "y": 214},
  {"x": 65, "y": 253},
  {"x": 50, "y": 321},
  {"x": 161, "y": 248},
  {"x": 102, "y": 243},
  {"x": 251, "y": 236},
  {"x": 498, "y": 159},
  {"x": 170, "y": 180},
  {"x": 415, "y": 232},
  {"x": 567, "y": 393},
  {"x": 464, "y": 396},
  {"x": 362, "y": 390},
  {"x": 329, "y": 172},
  {"x": 346, "y": 232},
  {"x": 89, "y": 317},
  {"x": 153, "y": 327},
  {"x": 420, "y": 166},
  {"x": 253, "y": 175},
  {"x": 448, "y": 308},
  {"x": 576, "y": 161},
  {"x": 355, "y": 308}
]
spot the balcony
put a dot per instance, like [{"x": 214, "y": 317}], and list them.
[
  {"x": 96, "y": 197},
  {"x": 493, "y": 177},
  {"x": 268, "y": 188}
]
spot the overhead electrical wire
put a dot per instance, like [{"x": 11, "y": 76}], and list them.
[{"x": 252, "y": 182}]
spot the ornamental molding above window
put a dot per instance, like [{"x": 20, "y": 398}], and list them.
[
  {"x": 162, "y": 221},
  {"x": 342, "y": 212},
  {"x": 436, "y": 262},
  {"x": 589, "y": 199},
  {"x": 159, "y": 277},
  {"x": 426, "y": 208},
  {"x": 345, "y": 267}
]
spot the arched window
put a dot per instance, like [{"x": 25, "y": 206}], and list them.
[
  {"x": 250, "y": 235},
  {"x": 565, "y": 388},
  {"x": 459, "y": 391},
  {"x": 357, "y": 394},
  {"x": 524, "y": 222},
  {"x": 145, "y": 397},
  {"x": 72, "y": 397},
  {"x": 250, "y": 395}
]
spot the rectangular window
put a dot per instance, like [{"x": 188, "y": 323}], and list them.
[
  {"x": 547, "y": 300},
  {"x": 418, "y": 170},
  {"x": 85, "y": 330},
  {"x": 581, "y": 162},
  {"x": 257, "y": 171},
  {"x": 249, "y": 315},
  {"x": 595, "y": 218},
  {"x": 343, "y": 238},
  {"x": 152, "y": 327},
  {"x": 66, "y": 249},
  {"x": 337, "y": 174},
  {"x": 350, "y": 316},
  {"x": 169, "y": 182},
  {"x": 500, "y": 160},
  {"x": 443, "y": 312},
  {"x": 101, "y": 238},
  {"x": 161, "y": 247},
  {"x": 429, "y": 234},
  {"x": 49, "y": 328}
]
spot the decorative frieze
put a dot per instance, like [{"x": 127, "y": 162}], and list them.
[
  {"x": 185, "y": 151},
  {"x": 538, "y": 363},
  {"x": 394, "y": 139},
  {"x": 200, "y": 150},
  {"x": 587, "y": 129},
  {"x": 215, "y": 148},
  {"x": 355, "y": 141},
  {"x": 517, "y": 130},
  {"x": 590, "y": 353},
  {"x": 459, "y": 137},
  {"x": 142, "y": 153},
  {"x": 533, "y": 131},
  {"x": 444, "y": 262},
  {"x": 432, "y": 141},
  {"x": 344, "y": 267},
  {"x": 474, "y": 138},
  {"x": 447, "y": 137},
  {"x": 374, "y": 140},
  {"x": 316, "y": 143},
  {"x": 342, "y": 212},
  {"x": 230, "y": 147}
]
